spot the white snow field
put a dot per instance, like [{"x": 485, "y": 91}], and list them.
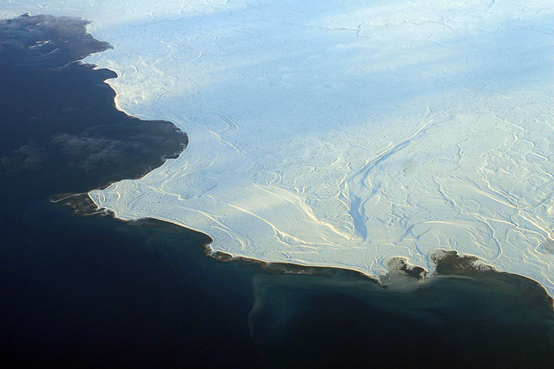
[{"x": 341, "y": 133}]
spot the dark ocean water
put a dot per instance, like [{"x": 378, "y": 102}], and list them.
[{"x": 91, "y": 291}]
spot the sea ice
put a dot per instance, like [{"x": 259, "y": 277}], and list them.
[{"x": 342, "y": 134}]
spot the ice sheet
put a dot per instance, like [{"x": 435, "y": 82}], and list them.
[{"x": 342, "y": 134}]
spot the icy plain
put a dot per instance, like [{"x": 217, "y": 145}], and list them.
[{"x": 341, "y": 133}]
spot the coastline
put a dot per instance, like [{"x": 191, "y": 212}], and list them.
[
  {"x": 401, "y": 276},
  {"x": 157, "y": 111},
  {"x": 409, "y": 278},
  {"x": 357, "y": 180},
  {"x": 90, "y": 290},
  {"x": 213, "y": 250}
]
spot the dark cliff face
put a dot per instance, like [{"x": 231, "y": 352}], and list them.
[{"x": 74, "y": 129}]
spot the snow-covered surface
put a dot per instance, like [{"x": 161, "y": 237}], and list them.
[{"x": 341, "y": 133}]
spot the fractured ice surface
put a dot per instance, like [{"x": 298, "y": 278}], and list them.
[{"x": 337, "y": 133}]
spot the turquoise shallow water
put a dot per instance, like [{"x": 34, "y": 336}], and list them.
[{"x": 91, "y": 291}]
